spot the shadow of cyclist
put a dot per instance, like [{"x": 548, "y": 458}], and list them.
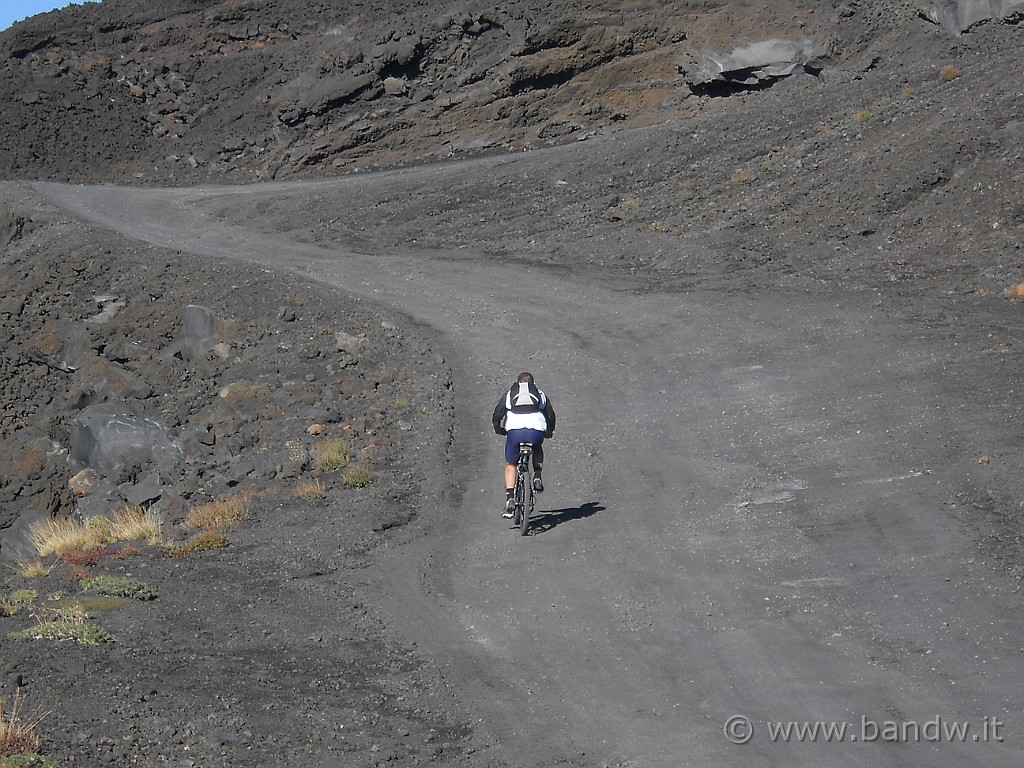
[{"x": 545, "y": 521}]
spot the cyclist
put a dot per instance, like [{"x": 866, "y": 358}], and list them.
[{"x": 525, "y": 415}]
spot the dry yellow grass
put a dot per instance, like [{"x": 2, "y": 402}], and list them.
[
  {"x": 310, "y": 490},
  {"x": 949, "y": 72},
  {"x": 1016, "y": 291},
  {"x": 57, "y": 535},
  {"x": 30, "y": 567},
  {"x": 17, "y": 734},
  {"x": 217, "y": 514},
  {"x": 61, "y": 534},
  {"x": 134, "y": 523}
]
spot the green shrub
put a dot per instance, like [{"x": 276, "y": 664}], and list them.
[
  {"x": 27, "y": 760},
  {"x": 83, "y": 632},
  {"x": 118, "y": 586},
  {"x": 101, "y": 525},
  {"x": 19, "y": 596}
]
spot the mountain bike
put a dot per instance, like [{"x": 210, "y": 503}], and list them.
[{"x": 524, "y": 489}]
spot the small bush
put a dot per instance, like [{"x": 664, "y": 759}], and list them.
[
  {"x": 216, "y": 514},
  {"x": 310, "y": 490},
  {"x": 332, "y": 455},
  {"x": 118, "y": 586},
  {"x": 101, "y": 525},
  {"x": 86, "y": 558},
  {"x": 949, "y": 72},
  {"x": 739, "y": 177},
  {"x": 76, "y": 572},
  {"x": 8, "y": 609},
  {"x": 202, "y": 542},
  {"x": 357, "y": 477},
  {"x": 74, "y": 612},
  {"x": 864, "y": 116},
  {"x": 20, "y": 596},
  {"x": 631, "y": 203},
  {"x": 18, "y": 735}
]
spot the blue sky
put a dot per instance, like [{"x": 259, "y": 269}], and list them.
[{"x": 16, "y": 10}]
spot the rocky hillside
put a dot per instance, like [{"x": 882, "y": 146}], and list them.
[
  {"x": 238, "y": 90},
  {"x": 166, "y": 382}
]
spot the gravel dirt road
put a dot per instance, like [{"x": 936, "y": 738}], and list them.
[{"x": 760, "y": 504}]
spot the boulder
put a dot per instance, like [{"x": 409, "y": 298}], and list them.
[
  {"x": 395, "y": 86},
  {"x": 147, "y": 490},
  {"x": 197, "y": 336},
  {"x": 960, "y": 15},
  {"x": 752, "y": 64},
  {"x": 110, "y": 437}
]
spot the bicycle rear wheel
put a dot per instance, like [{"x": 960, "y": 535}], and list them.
[
  {"x": 527, "y": 508},
  {"x": 520, "y": 507}
]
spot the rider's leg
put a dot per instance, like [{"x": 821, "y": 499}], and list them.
[
  {"x": 510, "y": 478},
  {"x": 511, "y": 459},
  {"x": 510, "y": 485}
]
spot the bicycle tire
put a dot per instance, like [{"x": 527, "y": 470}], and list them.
[
  {"x": 519, "y": 507},
  {"x": 524, "y": 522}
]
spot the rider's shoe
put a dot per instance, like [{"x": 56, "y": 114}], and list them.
[
  {"x": 510, "y": 508},
  {"x": 538, "y": 484}
]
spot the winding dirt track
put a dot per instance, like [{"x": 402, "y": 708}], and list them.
[{"x": 748, "y": 510}]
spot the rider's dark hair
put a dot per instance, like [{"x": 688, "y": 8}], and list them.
[{"x": 525, "y": 376}]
